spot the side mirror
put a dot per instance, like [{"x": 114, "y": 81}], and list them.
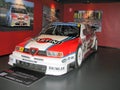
[{"x": 94, "y": 28}]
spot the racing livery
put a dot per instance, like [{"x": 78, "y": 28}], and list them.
[{"x": 59, "y": 48}]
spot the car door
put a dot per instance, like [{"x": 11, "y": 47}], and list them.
[{"x": 87, "y": 38}]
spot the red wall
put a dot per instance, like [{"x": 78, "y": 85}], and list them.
[
  {"x": 8, "y": 40},
  {"x": 110, "y": 35}
]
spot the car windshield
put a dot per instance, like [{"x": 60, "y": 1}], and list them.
[
  {"x": 19, "y": 10},
  {"x": 62, "y": 30}
]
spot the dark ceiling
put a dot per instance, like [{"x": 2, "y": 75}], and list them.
[{"x": 86, "y": 1}]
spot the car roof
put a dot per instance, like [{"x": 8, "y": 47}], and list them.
[
  {"x": 18, "y": 6},
  {"x": 66, "y": 23}
]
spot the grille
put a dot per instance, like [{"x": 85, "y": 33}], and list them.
[
  {"x": 20, "y": 18},
  {"x": 35, "y": 51},
  {"x": 34, "y": 67}
]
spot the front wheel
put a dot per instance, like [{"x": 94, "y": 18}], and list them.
[
  {"x": 8, "y": 21},
  {"x": 79, "y": 57}
]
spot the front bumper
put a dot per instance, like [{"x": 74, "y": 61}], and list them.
[
  {"x": 20, "y": 23},
  {"x": 48, "y": 65}
]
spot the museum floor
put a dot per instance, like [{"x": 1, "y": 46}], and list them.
[{"x": 100, "y": 71}]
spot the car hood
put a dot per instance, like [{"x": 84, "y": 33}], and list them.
[{"x": 44, "y": 42}]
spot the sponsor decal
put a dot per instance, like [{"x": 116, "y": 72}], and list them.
[
  {"x": 48, "y": 40},
  {"x": 38, "y": 59},
  {"x": 67, "y": 59},
  {"x": 56, "y": 68},
  {"x": 25, "y": 56}
]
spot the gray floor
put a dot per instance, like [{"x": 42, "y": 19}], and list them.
[{"x": 100, "y": 71}]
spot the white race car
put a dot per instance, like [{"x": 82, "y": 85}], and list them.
[
  {"x": 17, "y": 16},
  {"x": 58, "y": 48}
]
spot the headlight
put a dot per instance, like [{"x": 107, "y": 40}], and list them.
[
  {"x": 54, "y": 54},
  {"x": 18, "y": 48}
]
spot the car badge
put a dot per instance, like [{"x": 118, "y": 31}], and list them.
[{"x": 33, "y": 50}]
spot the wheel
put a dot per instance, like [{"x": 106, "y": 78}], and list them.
[
  {"x": 79, "y": 57},
  {"x": 95, "y": 46},
  {"x": 8, "y": 21}
]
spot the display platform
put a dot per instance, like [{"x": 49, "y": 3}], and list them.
[{"x": 22, "y": 76}]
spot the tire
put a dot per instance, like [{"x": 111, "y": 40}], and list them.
[
  {"x": 95, "y": 46},
  {"x": 8, "y": 22},
  {"x": 79, "y": 57}
]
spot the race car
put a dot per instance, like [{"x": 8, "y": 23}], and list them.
[
  {"x": 59, "y": 48},
  {"x": 17, "y": 15}
]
